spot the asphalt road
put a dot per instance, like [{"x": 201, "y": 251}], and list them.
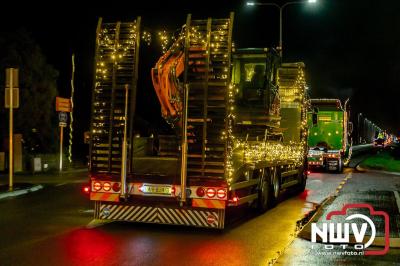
[
  {"x": 376, "y": 189},
  {"x": 47, "y": 227}
]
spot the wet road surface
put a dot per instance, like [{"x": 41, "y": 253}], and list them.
[
  {"x": 48, "y": 228},
  {"x": 376, "y": 189}
]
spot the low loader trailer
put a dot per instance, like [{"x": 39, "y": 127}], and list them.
[{"x": 239, "y": 121}]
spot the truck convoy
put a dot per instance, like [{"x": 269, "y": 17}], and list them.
[
  {"x": 328, "y": 135},
  {"x": 380, "y": 140},
  {"x": 239, "y": 117}
]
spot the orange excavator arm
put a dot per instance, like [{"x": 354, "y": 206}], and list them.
[{"x": 165, "y": 76}]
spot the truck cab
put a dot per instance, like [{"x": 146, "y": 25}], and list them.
[{"x": 328, "y": 135}]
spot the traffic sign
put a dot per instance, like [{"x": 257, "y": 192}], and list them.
[
  {"x": 62, "y": 124},
  {"x": 14, "y": 73},
  {"x": 63, "y": 104},
  {"x": 15, "y": 96},
  {"x": 62, "y": 117}
]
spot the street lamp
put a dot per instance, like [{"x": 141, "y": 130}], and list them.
[
  {"x": 280, "y": 14},
  {"x": 359, "y": 128}
]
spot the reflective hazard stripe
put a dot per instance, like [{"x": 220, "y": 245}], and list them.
[
  {"x": 104, "y": 196},
  {"x": 163, "y": 215},
  {"x": 206, "y": 203}
]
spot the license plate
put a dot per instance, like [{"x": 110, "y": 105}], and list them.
[
  {"x": 163, "y": 190},
  {"x": 332, "y": 167}
]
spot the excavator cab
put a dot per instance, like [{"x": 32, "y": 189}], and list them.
[
  {"x": 249, "y": 78},
  {"x": 254, "y": 78},
  {"x": 252, "y": 85}
]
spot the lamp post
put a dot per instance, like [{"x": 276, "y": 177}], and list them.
[
  {"x": 359, "y": 128},
  {"x": 281, "y": 8}
]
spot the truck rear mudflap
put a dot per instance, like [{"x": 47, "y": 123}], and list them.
[{"x": 161, "y": 214}]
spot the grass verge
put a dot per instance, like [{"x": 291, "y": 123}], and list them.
[{"x": 385, "y": 160}]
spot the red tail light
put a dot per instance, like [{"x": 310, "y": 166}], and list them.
[
  {"x": 97, "y": 186},
  {"x": 308, "y": 172},
  {"x": 173, "y": 190},
  {"x": 235, "y": 199},
  {"x": 116, "y": 187},
  {"x": 86, "y": 189},
  {"x": 211, "y": 192},
  {"x": 107, "y": 186},
  {"x": 221, "y": 193},
  {"x": 200, "y": 192}
]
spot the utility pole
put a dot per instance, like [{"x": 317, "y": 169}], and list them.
[
  {"x": 13, "y": 95},
  {"x": 71, "y": 114}
]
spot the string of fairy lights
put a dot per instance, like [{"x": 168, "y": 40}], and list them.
[
  {"x": 106, "y": 40},
  {"x": 114, "y": 52},
  {"x": 251, "y": 152},
  {"x": 268, "y": 151}
]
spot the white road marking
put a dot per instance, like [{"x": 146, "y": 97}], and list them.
[
  {"x": 61, "y": 184},
  {"x": 396, "y": 194},
  {"x": 97, "y": 222},
  {"x": 87, "y": 211}
]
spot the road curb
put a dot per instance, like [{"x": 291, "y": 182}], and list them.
[
  {"x": 305, "y": 232},
  {"x": 361, "y": 169},
  {"x": 20, "y": 192}
]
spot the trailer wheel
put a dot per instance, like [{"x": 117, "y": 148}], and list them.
[
  {"x": 276, "y": 186},
  {"x": 264, "y": 192}
]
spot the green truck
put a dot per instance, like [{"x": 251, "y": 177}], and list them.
[{"x": 329, "y": 132}]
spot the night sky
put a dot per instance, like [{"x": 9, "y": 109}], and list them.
[{"x": 351, "y": 47}]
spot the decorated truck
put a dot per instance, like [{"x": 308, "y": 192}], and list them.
[
  {"x": 239, "y": 123},
  {"x": 329, "y": 132}
]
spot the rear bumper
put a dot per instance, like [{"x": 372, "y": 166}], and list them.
[{"x": 173, "y": 215}]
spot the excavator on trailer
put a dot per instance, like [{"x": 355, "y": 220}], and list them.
[{"x": 239, "y": 120}]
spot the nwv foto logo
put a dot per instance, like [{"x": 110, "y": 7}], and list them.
[{"x": 333, "y": 233}]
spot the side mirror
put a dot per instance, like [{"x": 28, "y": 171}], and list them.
[
  {"x": 315, "y": 119},
  {"x": 350, "y": 127}
]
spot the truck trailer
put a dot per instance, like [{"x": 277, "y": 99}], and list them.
[
  {"x": 329, "y": 135},
  {"x": 239, "y": 123}
]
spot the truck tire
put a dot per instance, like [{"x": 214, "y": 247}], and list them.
[
  {"x": 340, "y": 166},
  {"x": 276, "y": 186},
  {"x": 302, "y": 176},
  {"x": 302, "y": 179},
  {"x": 264, "y": 192}
]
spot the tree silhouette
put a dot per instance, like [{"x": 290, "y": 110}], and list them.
[{"x": 35, "y": 119}]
